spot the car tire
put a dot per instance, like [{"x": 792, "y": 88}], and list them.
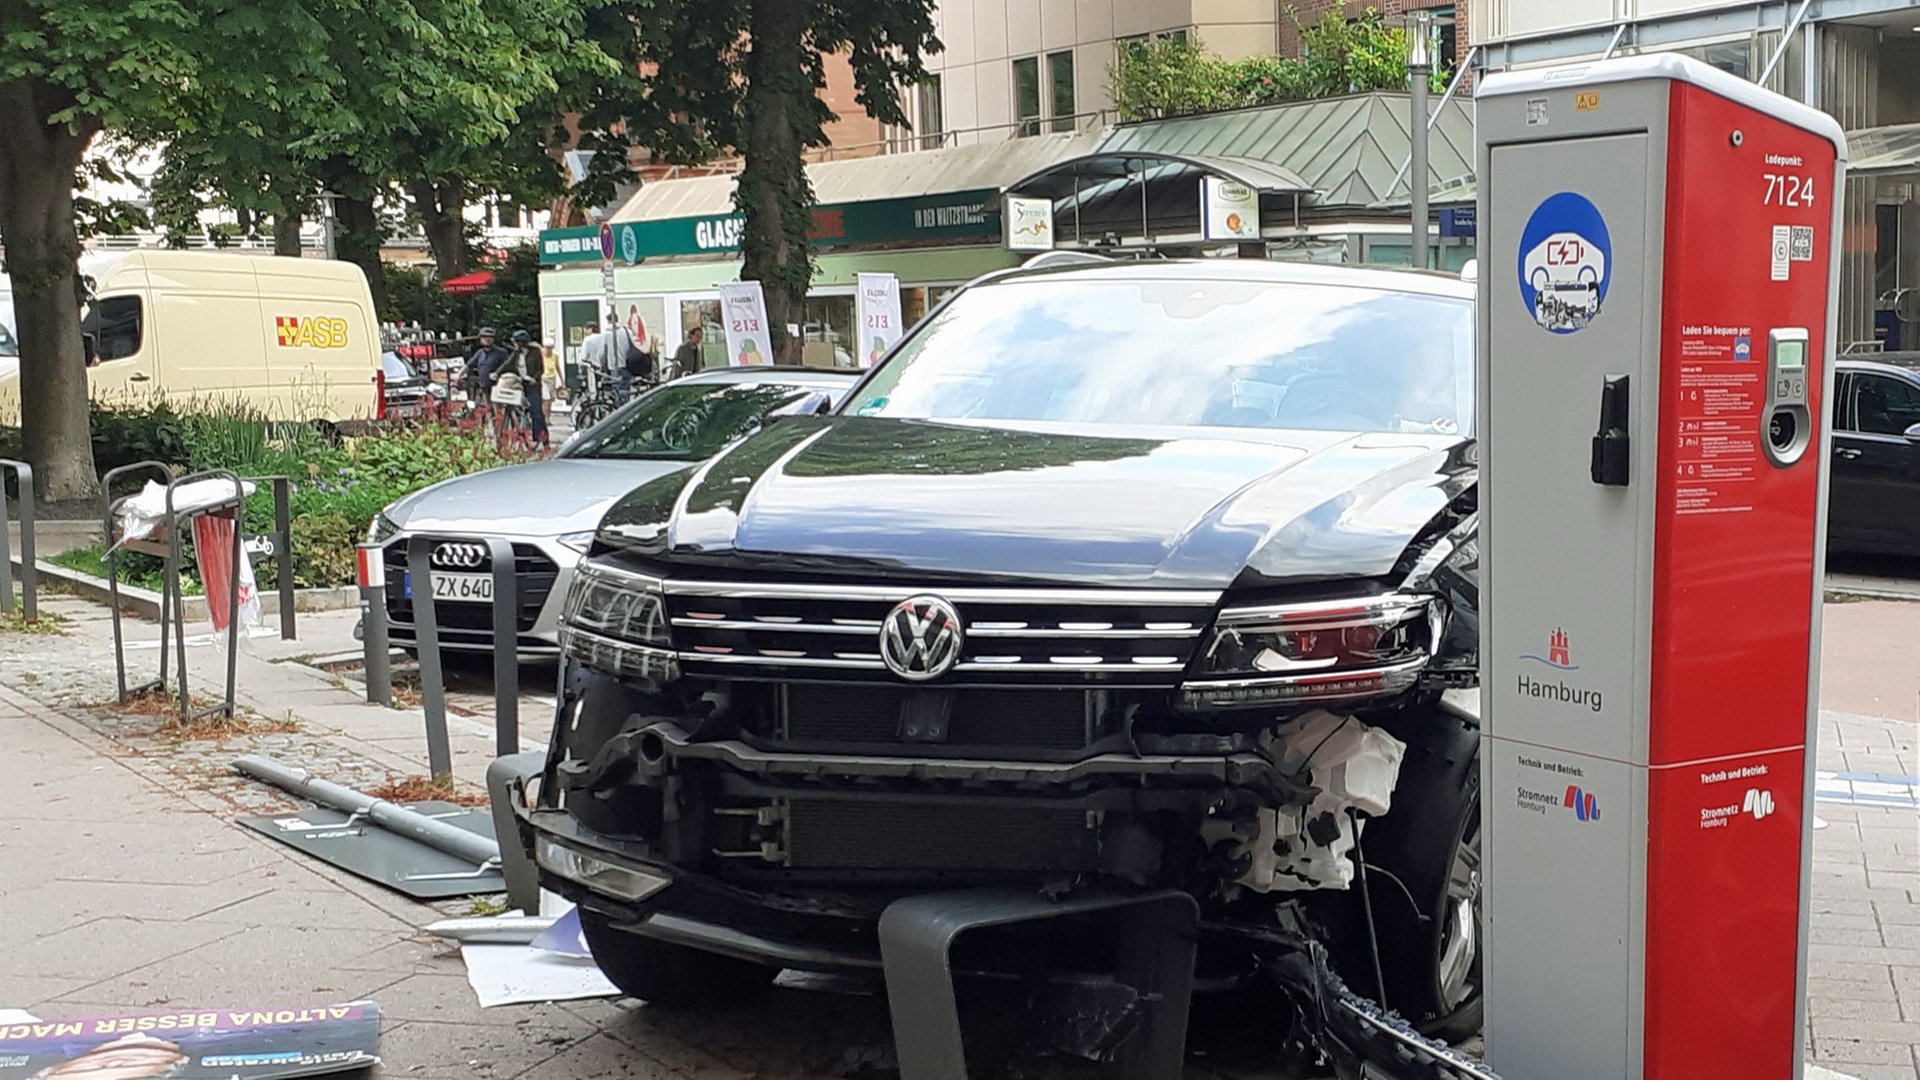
[
  {"x": 1424, "y": 875},
  {"x": 662, "y": 973}
]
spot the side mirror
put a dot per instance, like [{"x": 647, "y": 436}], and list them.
[
  {"x": 1912, "y": 433},
  {"x": 814, "y": 404}
]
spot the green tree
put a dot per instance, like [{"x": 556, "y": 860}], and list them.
[{"x": 712, "y": 75}]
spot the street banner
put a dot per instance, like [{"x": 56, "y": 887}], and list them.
[
  {"x": 1231, "y": 210},
  {"x": 196, "y": 1044},
  {"x": 878, "y": 317},
  {"x": 1029, "y": 224},
  {"x": 743, "y": 312}
]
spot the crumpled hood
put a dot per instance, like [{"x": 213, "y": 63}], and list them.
[
  {"x": 933, "y": 500},
  {"x": 544, "y": 498}
]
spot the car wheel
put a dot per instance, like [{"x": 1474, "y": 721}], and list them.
[
  {"x": 1424, "y": 874},
  {"x": 662, "y": 973}
]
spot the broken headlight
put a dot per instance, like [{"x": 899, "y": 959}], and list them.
[
  {"x": 1315, "y": 652},
  {"x": 616, "y": 621}
]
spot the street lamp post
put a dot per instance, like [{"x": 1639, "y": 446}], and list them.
[{"x": 1419, "y": 64}]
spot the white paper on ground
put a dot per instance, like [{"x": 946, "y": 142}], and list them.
[
  {"x": 520, "y": 974},
  {"x": 17, "y": 1016}
]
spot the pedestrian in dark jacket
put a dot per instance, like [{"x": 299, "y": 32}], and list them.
[{"x": 481, "y": 365}]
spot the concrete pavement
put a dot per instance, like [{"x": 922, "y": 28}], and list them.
[{"x": 128, "y": 886}]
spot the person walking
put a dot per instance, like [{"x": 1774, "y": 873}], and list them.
[
  {"x": 528, "y": 362},
  {"x": 687, "y": 358},
  {"x": 481, "y": 365}
]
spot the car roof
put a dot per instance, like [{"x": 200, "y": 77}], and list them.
[
  {"x": 1900, "y": 365},
  {"x": 1429, "y": 282},
  {"x": 776, "y": 373}
]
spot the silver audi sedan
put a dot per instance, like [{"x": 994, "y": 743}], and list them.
[{"x": 548, "y": 509}]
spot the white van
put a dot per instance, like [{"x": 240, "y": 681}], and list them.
[{"x": 295, "y": 338}]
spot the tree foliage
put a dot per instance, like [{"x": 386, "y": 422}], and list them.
[
  {"x": 1175, "y": 76},
  {"x": 711, "y": 76}
]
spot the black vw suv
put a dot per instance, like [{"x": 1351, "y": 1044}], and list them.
[{"x": 1138, "y": 574}]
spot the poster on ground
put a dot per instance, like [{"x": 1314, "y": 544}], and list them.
[
  {"x": 195, "y": 1044},
  {"x": 743, "y": 314},
  {"x": 878, "y": 317}
]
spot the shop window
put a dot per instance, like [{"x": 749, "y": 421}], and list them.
[
  {"x": 705, "y": 314},
  {"x": 1026, "y": 95},
  {"x": 931, "y": 121},
  {"x": 827, "y": 335},
  {"x": 1060, "y": 83},
  {"x": 115, "y": 324}
]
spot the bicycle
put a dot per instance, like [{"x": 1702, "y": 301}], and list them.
[{"x": 604, "y": 397}]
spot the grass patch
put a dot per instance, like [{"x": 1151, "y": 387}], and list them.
[
  {"x": 410, "y": 789},
  {"x": 15, "y": 622},
  {"x": 136, "y": 569}
]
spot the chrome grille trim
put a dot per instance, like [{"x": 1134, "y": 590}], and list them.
[{"x": 891, "y": 594}]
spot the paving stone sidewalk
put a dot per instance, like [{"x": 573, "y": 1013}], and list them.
[{"x": 127, "y": 886}]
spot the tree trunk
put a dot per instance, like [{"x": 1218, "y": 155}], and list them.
[
  {"x": 286, "y": 233},
  {"x": 38, "y": 161},
  {"x": 773, "y": 191},
  {"x": 441, "y": 205}
]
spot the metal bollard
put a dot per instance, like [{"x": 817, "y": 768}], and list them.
[
  {"x": 426, "y": 638},
  {"x": 506, "y": 648},
  {"x": 29, "y": 576},
  {"x": 283, "y": 546},
  {"x": 371, "y": 560}
]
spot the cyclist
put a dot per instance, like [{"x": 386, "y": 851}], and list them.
[
  {"x": 527, "y": 362},
  {"x": 482, "y": 364}
]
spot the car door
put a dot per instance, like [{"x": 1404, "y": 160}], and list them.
[
  {"x": 1846, "y": 501},
  {"x": 1880, "y": 464}
]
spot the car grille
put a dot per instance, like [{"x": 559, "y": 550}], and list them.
[
  {"x": 1011, "y": 635},
  {"x": 534, "y": 574},
  {"x": 1022, "y": 718},
  {"x": 881, "y": 835}
]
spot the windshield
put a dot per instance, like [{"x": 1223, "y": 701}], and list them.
[
  {"x": 8, "y": 346},
  {"x": 688, "y": 421},
  {"x": 395, "y": 368},
  {"x": 1187, "y": 354}
]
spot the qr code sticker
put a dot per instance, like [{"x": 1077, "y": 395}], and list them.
[{"x": 1800, "y": 248}]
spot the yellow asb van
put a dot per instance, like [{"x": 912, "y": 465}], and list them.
[{"x": 296, "y": 339}]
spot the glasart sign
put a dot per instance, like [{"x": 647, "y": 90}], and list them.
[
  {"x": 958, "y": 215},
  {"x": 1029, "y": 224},
  {"x": 1232, "y": 209}
]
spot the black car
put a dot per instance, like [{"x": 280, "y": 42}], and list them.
[
  {"x": 405, "y": 392},
  {"x": 1150, "y": 574},
  {"x": 1873, "y": 501}
]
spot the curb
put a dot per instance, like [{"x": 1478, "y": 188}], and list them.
[{"x": 145, "y": 603}]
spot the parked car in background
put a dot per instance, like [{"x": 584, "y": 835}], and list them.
[
  {"x": 405, "y": 391},
  {"x": 1873, "y": 502},
  {"x": 294, "y": 338},
  {"x": 548, "y": 510}
]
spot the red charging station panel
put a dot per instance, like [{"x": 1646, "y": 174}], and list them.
[{"x": 1657, "y": 279}]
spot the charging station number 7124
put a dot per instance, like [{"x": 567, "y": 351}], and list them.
[{"x": 1785, "y": 189}]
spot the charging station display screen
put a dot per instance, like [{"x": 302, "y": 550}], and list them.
[{"x": 1790, "y": 355}]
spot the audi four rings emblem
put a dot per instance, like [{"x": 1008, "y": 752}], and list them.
[
  {"x": 457, "y": 556},
  {"x": 920, "y": 638}
]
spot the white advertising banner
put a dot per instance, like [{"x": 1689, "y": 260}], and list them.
[
  {"x": 1029, "y": 224},
  {"x": 743, "y": 312},
  {"x": 878, "y": 316},
  {"x": 1232, "y": 209}
]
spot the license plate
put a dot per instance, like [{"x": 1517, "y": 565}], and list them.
[{"x": 474, "y": 588}]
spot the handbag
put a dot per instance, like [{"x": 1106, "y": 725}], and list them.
[{"x": 508, "y": 392}]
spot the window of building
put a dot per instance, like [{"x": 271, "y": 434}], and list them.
[
  {"x": 1131, "y": 43},
  {"x": 932, "y": 120},
  {"x": 1441, "y": 48},
  {"x": 1886, "y": 248},
  {"x": 115, "y": 324},
  {"x": 1060, "y": 87},
  {"x": 1026, "y": 94}
]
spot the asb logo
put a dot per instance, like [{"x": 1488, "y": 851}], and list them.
[
  {"x": 1559, "y": 652},
  {"x": 1583, "y": 804},
  {"x": 1564, "y": 263},
  {"x": 313, "y": 331},
  {"x": 1758, "y": 802}
]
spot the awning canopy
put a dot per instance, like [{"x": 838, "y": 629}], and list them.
[
  {"x": 468, "y": 283},
  {"x": 1067, "y": 179},
  {"x": 1882, "y": 151}
]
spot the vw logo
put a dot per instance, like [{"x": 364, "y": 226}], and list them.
[
  {"x": 920, "y": 638},
  {"x": 460, "y": 556}
]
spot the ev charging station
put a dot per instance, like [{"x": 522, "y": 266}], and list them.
[{"x": 1658, "y": 269}]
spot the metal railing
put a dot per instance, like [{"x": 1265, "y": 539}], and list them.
[{"x": 29, "y": 575}]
